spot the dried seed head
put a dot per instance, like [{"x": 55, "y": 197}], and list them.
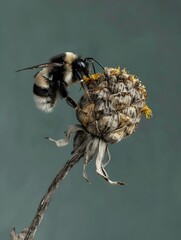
[
  {"x": 116, "y": 105},
  {"x": 111, "y": 112}
]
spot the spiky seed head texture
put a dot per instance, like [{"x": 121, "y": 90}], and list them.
[{"x": 118, "y": 100}]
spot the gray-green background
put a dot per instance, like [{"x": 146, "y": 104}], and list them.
[{"x": 143, "y": 36}]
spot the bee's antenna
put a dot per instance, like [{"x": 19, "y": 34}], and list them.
[
  {"x": 43, "y": 65},
  {"x": 93, "y": 59}
]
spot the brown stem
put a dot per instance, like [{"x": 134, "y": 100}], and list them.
[{"x": 76, "y": 156}]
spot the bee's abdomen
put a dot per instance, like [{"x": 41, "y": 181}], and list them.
[{"x": 45, "y": 93}]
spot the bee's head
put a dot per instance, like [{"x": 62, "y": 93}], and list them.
[{"x": 81, "y": 66}]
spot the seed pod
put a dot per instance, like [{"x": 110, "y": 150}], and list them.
[{"x": 115, "y": 106}]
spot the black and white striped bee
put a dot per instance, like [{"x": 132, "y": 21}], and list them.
[{"x": 53, "y": 79}]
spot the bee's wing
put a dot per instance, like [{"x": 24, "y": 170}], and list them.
[{"x": 43, "y": 65}]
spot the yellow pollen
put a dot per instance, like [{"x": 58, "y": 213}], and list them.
[
  {"x": 124, "y": 71},
  {"x": 143, "y": 90},
  {"x": 147, "y": 111},
  {"x": 115, "y": 71},
  {"x": 92, "y": 77}
]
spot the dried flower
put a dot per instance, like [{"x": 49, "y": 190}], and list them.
[
  {"x": 118, "y": 101},
  {"x": 112, "y": 113}
]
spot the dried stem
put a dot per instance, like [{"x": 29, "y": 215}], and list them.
[{"x": 76, "y": 156}]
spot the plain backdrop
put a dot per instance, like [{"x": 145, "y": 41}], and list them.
[{"x": 143, "y": 36}]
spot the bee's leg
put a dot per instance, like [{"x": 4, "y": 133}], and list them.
[
  {"x": 64, "y": 94},
  {"x": 71, "y": 102},
  {"x": 83, "y": 84}
]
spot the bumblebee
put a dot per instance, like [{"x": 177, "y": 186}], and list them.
[{"x": 52, "y": 80}]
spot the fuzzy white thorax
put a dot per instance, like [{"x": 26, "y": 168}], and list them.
[{"x": 69, "y": 59}]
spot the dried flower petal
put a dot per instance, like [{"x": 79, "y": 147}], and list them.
[{"x": 93, "y": 147}]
